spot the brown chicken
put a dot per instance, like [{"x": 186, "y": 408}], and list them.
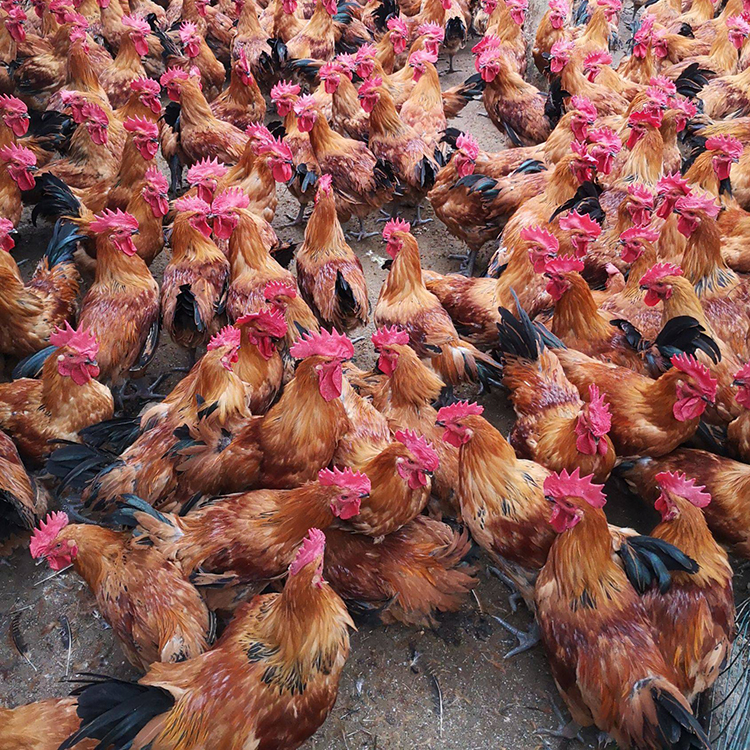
[
  {"x": 292, "y": 442},
  {"x": 316, "y": 40},
  {"x": 405, "y": 394},
  {"x": 17, "y": 165},
  {"x": 410, "y": 156},
  {"x": 250, "y": 537},
  {"x": 121, "y": 308},
  {"x": 694, "y": 620},
  {"x": 329, "y": 274},
  {"x": 634, "y": 698},
  {"x": 279, "y": 664},
  {"x": 194, "y": 286},
  {"x": 361, "y": 181},
  {"x": 241, "y": 103},
  {"x": 727, "y": 481},
  {"x": 53, "y": 720},
  {"x": 211, "y": 394},
  {"x": 405, "y": 301},
  {"x": 202, "y": 135},
  {"x": 149, "y": 204},
  {"x": 259, "y": 363},
  {"x": 155, "y": 613},
  {"x": 127, "y": 66},
  {"x": 30, "y": 312},
  {"x": 648, "y": 416},
  {"x": 24, "y": 501},
  {"x": 554, "y": 426},
  {"x": 408, "y": 577},
  {"x": 738, "y": 431},
  {"x": 65, "y": 399}
]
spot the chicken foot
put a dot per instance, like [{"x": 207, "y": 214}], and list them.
[
  {"x": 515, "y": 596},
  {"x": 298, "y": 220},
  {"x": 468, "y": 262},
  {"x": 527, "y": 639},
  {"x": 567, "y": 730},
  {"x": 362, "y": 235}
]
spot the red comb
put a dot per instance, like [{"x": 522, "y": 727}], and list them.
[
  {"x": 276, "y": 289},
  {"x": 20, "y": 154},
  {"x": 575, "y": 222},
  {"x": 540, "y": 236},
  {"x": 658, "y": 272},
  {"x": 395, "y": 225},
  {"x": 585, "y": 107},
  {"x": 269, "y": 320},
  {"x": 83, "y": 341},
  {"x": 563, "y": 264},
  {"x": 672, "y": 182},
  {"x": 227, "y": 336},
  {"x": 422, "y": 450},
  {"x": 599, "y": 57},
  {"x": 284, "y": 89},
  {"x": 459, "y": 410},
  {"x": 727, "y": 144},
  {"x": 386, "y": 336},
  {"x": 688, "y": 364},
  {"x": 312, "y": 549},
  {"x": 206, "y": 169},
  {"x": 468, "y": 144},
  {"x": 137, "y": 24},
  {"x": 155, "y": 178},
  {"x": 109, "y": 219},
  {"x": 190, "y": 203},
  {"x": 564, "y": 485},
  {"x": 703, "y": 202},
  {"x": 600, "y": 418},
  {"x": 346, "y": 478},
  {"x": 47, "y": 532},
  {"x": 683, "y": 486},
  {"x": 142, "y": 126},
  {"x": 645, "y": 232},
  {"x": 638, "y": 191},
  {"x": 324, "y": 344},
  {"x": 228, "y": 199}
]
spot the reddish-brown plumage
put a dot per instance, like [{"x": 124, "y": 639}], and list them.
[
  {"x": 408, "y": 577},
  {"x": 54, "y": 407},
  {"x": 27, "y": 498},
  {"x": 41, "y": 726},
  {"x": 329, "y": 274},
  {"x": 727, "y": 481},
  {"x": 598, "y": 637},
  {"x": 155, "y": 613}
]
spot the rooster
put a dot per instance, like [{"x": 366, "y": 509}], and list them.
[
  {"x": 30, "y": 312},
  {"x": 635, "y": 699},
  {"x": 156, "y": 614},
  {"x": 54, "y": 719},
  {"x": 695, "y": 619},
  {"x": 554, "y": 426},
  {"x": 285, "y": 652},
  {"x": 37, "y": 412},
  {"x": 123, "y": 290},
  {"x": 17, "y": 165},
  {"x": 193, "y": 290},
  {"x": 405, "y": 301},
  {"x": 329, "y": 274}
]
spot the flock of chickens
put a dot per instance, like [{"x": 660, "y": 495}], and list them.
[{"x": 614, "y": 314}]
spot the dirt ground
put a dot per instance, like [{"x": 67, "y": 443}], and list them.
[{"x": 447, "y": 689}]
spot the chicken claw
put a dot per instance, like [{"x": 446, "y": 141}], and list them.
[
  {"x": 298, "y": 220},
  {"x": 527, "y": 639},
  {"x": 362, "y": 235},
  {"x": 515, "y": 596},
  {"x": 567, "y": 730}
]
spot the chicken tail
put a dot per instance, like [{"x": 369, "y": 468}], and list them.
[
  {"x": 78, "y": 465},
  {"x": 115, "y": 710},
  {"x": 187, "y": 314},
  {"x": 57, "y": 199},
  {"x": 161, "y": 529},
  {"x": 462, "y": 362},
  {"x": 51, "y": 129},
  {"x": 656, "y": 714},
  {"x": 113, "y": 434},
  {"x": 62, "y": 244},
  {"x": 457, "y": 97}
]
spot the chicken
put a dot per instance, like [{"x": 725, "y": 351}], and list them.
[
  {"x": 408, "y": 577},
  {"x": 265, "y": 161},
  {"x": 347, "y": 117},
  {"x": 405, "y": 301},
  {"x": 252, "y": 40},
  {"x": 694, "y": 620},
  {"x": 211, "y": 395},
  {"x": 64, "y": 400},
  {"x": 199, "y": 56},
  {"x": 17, "y": 165},
  {"x": 316, "y": 39},
  {"x": 738, "y": 431},
  {"x": 250, "y": 537},
  {"x": 23, "y": 501},
  {"x": 298, "y": 643},
  {"x": 648, "y": 416},
  {"x": 54, "y": 719},
  {"x": 727, "y": 482},
  {"x": 95, "y": 151},
  {"x": 554, "y": 426},
  {"x": 241, "y": 103},
  {"x": 30, "y": 312},
  {"x": 155, "y": 613},
  {"x": 404, "y": 395},
  {"x": 551, "y": 29},
  {"x": 127, "y": 66},
  {"x": 194, "y": 286},
  {"x": 423, "y": 110},
  {"x": 149, "y": 204},
  {"x": 259, "y": 364},
  {"x": 121, "y": 308},
  {"x": 329, "y": 274},
  {"x": 362, "y": 182},
  {"x": 409, "y": 156},
  {"x": 515, "y": 107},
  {"x": 292, "y": 442},
  {"x": 202, "y": 135},
  {"x": 501, "y": 499},
  {"x": 634, "y": 699}
]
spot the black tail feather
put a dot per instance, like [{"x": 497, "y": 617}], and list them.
[
  {"x": 56, "y": 200},
  {"x": 648, "y": 562},
  {"x": 31, "y": 366}
]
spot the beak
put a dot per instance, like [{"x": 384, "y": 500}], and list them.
[
  {"x": 90, "y": 362},
  {"x": 440, "y": 424},
  {"x": 739, "y": 382},
  {"x": 707, "y": 399},
  {"x": 549, "y": 498},
  {"x": 135, "y": 231},
  {"x": 33, "y": 168}
]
